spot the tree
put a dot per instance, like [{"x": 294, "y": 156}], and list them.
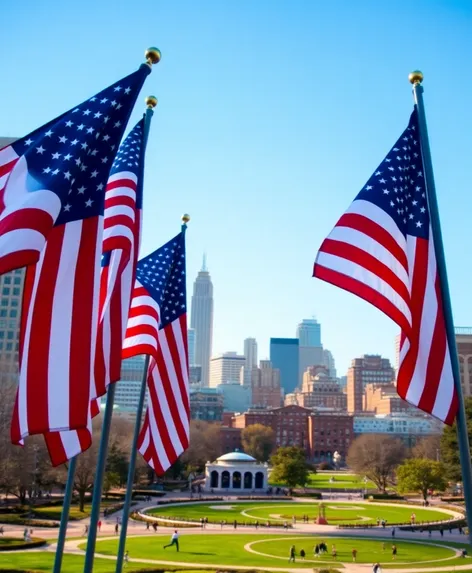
[
  {"x": 450, "y": 445},
  {"x": 428, "y": 448},
  {"x": 258, "y": 441},
  {"x": 289, "y": 467},
  {"x": 421, "y": 475},
  {"x": 376, "y": 456},
  {"x": 205, "y": 443}
]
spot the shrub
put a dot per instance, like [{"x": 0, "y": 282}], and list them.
[
  {"x": 386, "y": 496},
  {"x": 325, "y": 466},
  {"x": 36, "y": 542}
]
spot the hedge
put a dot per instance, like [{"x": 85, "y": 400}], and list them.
[
  {"x": 386, "y": 496},
  {"x": 36, "y": 542}
]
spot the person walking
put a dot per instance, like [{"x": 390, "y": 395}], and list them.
[
  {"x": 292, "y": 554},
  {"x": 376, "y": 568},
  {"x": 117, "y": 527},
  {"x": 174, "y": 540},
  {"x": 354, "y": 554},
  {"x": 126, "y": 558},
  {"x": 394, "y": 552},
  {"x": 393, "y": 532},
  {"x": 316, "y": 551},
  {"x": 302, "y": 554},
  {"x": 334, "y": 553},
  {"x": 99, "y": 525}
]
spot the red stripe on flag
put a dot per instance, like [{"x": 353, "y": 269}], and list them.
[
  {"x": 362, "y": 291},
  {"x": 80, "y": 355}
]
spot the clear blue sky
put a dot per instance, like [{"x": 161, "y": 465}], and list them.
[{"x": 272, "y": 115}]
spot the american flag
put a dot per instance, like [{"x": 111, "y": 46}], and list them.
[
  {"x": 382, "y": 250},
  {"x": 61, "y": 171},
  {"x": 122, "y": 216},
  {"x": 158, "y": 326}
]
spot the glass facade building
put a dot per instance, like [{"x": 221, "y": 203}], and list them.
[{"x": 284, "y": 355}]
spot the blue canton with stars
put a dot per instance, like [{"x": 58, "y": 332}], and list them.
[
  {"x": 162, "y": 273},
  {"x": 398, "y": 186},
  {"x": 72, "y": 155},
  {"x": 130, "y": 158}
]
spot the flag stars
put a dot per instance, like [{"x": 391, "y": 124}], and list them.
[
  {"x": 28, "y": 141},
  {"x": 56, "y": 155},
  {"x": 89, "y": 202},
  {"x": 40, "y": 150},
  {"x": 86, "y": 112}
]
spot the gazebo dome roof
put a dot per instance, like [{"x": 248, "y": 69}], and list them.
[{"x": 236, "y": 457}]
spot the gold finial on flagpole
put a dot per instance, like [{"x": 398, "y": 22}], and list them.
[
  {"x": 151, "y": 101},
  {"x": 185, "y": 218},
  {"x": 153, "y": 56},
  {"x": 416, "y": 77}
]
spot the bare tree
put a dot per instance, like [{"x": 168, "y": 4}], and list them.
[
  {"x": 428, "y": 448},
  {"x": 205, "y": 443},
  {"x": 376, "y": 456}
]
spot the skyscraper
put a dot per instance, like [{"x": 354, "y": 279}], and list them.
[
  {"x": 201, "y": 319},
  {"x": 265, "y": 384},
  {"x": 226, "y": 369},
  {"x": 284, "y": 355},
  {"x": 368, "y": 369},
  {"x": 309, "y": 332},
  {"x": 128, "y": 388},
  {"x": 250, "y": 353},
  {"x": 191, "y": 346},
  {"x": 11, "y": 295}
]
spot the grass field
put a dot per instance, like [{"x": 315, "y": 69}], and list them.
[
  {"x": 273, "y": 551},
  {"x": 340, "y": 481},
  {"x": 337, "y": 513}
]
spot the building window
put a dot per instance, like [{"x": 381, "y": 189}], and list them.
[
  {"x": 13, "y": 313},
  {"x": 6, "y": 291},
  {"x": 16, "y": 291}
]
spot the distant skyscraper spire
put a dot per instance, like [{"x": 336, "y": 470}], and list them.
[
  {"x": 204, "y": 264},
  {"x": 201, "y": 319}
]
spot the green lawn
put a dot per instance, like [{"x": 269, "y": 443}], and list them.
[
  {"x": 340, "y": 481},
  {"x": 54, "y": 512},
  {"x": 273, "y": 550},
  {"x": 337, "y": 513}
]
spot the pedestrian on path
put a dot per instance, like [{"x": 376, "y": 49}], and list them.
[
  {"x": 99, "y": 525},
  {"x": 393, "y": 532},
  {"x": 292, "y": 554},
  {"x": 376, "y": 568},
  {"x": 117, "y": 527},
  {"x": 354, "y": 554},
  {"x": 174, "y": 540}
]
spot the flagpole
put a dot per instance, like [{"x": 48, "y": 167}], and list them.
[
  {"x": 131, "y": 469},
  {"x": 134, "y": 451},
  {"x": 416, "y": 79},
  {"x": 61, "y": 538}
]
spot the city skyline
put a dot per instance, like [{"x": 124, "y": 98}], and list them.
[{"x": 248, "y": 164}]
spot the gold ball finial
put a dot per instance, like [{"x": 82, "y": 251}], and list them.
[
  {"x": 416, "y": 77},
  {"x": 152, "y": 55},
  {"x": 151, "y": 101},
  {"x": 185, "y": 218}
]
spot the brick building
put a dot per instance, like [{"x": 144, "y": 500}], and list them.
[
  {"x": 265, "y": 383},
  {"x": 368, "y": 369},
  {"x": 319, "y": 390},
  {"x": 319, "y": 433},
  {"x": 230, "y": 439},
  {"x": 383, "y": 399},
  {"x": 328, "y": 433}
]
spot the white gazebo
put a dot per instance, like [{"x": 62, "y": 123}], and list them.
[{"x": 235, "y": 472}]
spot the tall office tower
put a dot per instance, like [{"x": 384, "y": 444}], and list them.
[
  {"x": 11, "y": 295},
  {"x": 265, "y": 383},
  {"x": 226, "y": 368},
  {"x": 328, "y": 361},
  {"x": 250, "y": 353},
  {"x": 369, "y": 369},
  {"x": 191, "y": 346},
  {"x": 201, "y": 320},
  {"x": 284, "y": 355},
  {"x": 128, "y": 387},
  {"x": 309, "y": 332},
  {"x": 397, "y": 353}
]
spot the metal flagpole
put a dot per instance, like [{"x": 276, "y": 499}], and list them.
[
  {"x": 133, "y": 454},
  {"x": 65, "y": 515},
  {"x": 98, "y": 481},
  {"x": 153, "y": 56},
  {"x": 416, "y": 79},
  {"x": 131, "y": 469}
]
